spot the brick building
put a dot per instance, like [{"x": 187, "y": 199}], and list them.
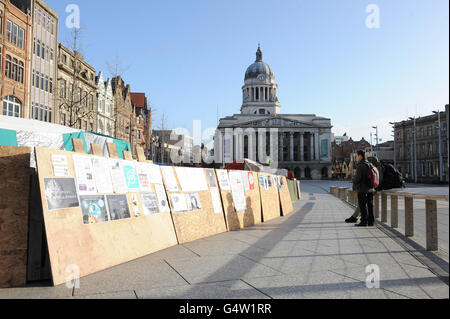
[
  {"x": 143, "y": 121},
  {"x": 123, "y": 110},
  {"x": 15, "y": 45}
]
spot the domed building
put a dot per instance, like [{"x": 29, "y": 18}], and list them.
[{"x": 300, "y": 143}]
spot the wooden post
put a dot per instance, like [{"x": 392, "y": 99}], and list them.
[
  {"x": 409, "y": 217},
  {"x": 376, "y": 204},
  {"x": 383, "y": 208},
  {"x": 431, "y": 224},
  {"x": 78, "y": 146},
  {"x": 394, "y": 211},
  {"x": 96, "y": 150},
  {"x": 112, "y": 150}
]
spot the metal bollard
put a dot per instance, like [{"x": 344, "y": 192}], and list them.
[
  {"x": 409, "y": 217},
  {"x": 431, "y": 224},
  {"x": 394, "y": 211}
]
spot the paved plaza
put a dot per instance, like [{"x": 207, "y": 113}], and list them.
[{"x": 311, "y": 253}]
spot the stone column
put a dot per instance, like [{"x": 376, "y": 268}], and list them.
[
  {"x": 291, "y": 147},
  {"x": 317, "y": 146},
  {"x": 281, "y": 155},
  {"x": 311, "y": 143},
  {"x": 302, "y": 148}
]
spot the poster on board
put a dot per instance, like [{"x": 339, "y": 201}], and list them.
[
  {"x": 85, "y": 175},
  {"x": 93, "y": 209},
  {"x": 193, "y": 202},
  {"x": 118, "y": 207},
  {"x": 237, "y": 190},
  {"x": 224, "y": 181},
  {"x": 131, "y": 177},
  {"x": 149, "y": 203},
  {"x": 135, "y": 205},
  {"x": 215, "y": 197},
  {"x": 245, "y": 180},
  {"x": 154, "y": 173},
  {"x": 191, "y": 179},
  {"x": 211, "y": 177},
  {"x": 179, "y": 203},
  {"x": 102, "y": 175},
  {"x": 143, "y": 177},
  {"x": 60, "y": 165},
  {"x": 162, "y": 198},
  {"x": 169, "y": 178},
  {"x": 251, "y": 180},
  {"x": 60, "y": 193},
  {"x": 117, "y": 176}
]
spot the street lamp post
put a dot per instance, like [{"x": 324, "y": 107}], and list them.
[
  {"x": 395, "y": 145},
  {"x": 440, "y": 145},
  {"x": 415, "y": 149}
]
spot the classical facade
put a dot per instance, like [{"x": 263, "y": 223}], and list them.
[
  {"x": 105, "y": 106},
  {"x": 43, "y": 62},
  {"x": 300, "y": 143},
  {"x": 77, "y": 91},
  {"x": 15, "y": 45}
]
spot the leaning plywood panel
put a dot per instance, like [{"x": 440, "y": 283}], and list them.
[
  {"x": 111, "y": 235},
  {"x": 14, "y": 190},
  {"x": 251, "y": 215},
  {"x": 270, "y": 200},
  {"x": 196, "y": 212},
  {"x": 285, "y": 196}
]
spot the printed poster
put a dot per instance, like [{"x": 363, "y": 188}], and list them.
[
  {"x": 154, "y": 173},
  {"x": 224, "y": 181},
  {"x": 193, "y": 202},
  {"x": 179, "y": 203},
  {"x": 169, "y": 178},
  {"x": 215, "y": 197},
  {"x": 191, "y": 179},
  {"x": 93, "y": 209},
  {"x": 60, "y": 165},
  {"x": 131, "y": 177},
  {"x": 211, "y": 177},
  {"x": 149, "y": 203},
  {"x": 162, "y": 198},
  {"x": 251, "y": 180},
  {"x": 135, "y": 205},
  {"x": 85, "y": 175},
  {"x": 143, "y": 177},
  {"x": 237, "y": 191},
  {"x": 118, "y": 207},
  {"x": 117, "y": 176},
  {"x": 102, "y": 175},
  {"x": 245, "y": 180},
  {"x": 60, "y": 193}
]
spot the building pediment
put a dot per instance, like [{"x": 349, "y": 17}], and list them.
[{"x": 275, "y": 122}]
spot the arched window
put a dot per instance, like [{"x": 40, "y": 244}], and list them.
[
  {"x": 20, "y": 72},
  {"x": 11, "y": 106}
]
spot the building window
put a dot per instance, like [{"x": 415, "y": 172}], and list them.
[
  {"x": 62, "y": 92},
  {"x": 20, "y": 72},
  {"x": 64, "y": 59},
  {"x": 38, "y": 48},
  {"x": 21, "y": 37},
  {"x": 11, "y": 106},
  {"x": 51, "y": 86},
  {"x": 9, "y": 30},
  {"x": 62, "y": 120},
  {"x": 8, "y": 67},
  {"x": 91, "y": 102}
]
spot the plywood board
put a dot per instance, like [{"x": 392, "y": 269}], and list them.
[
  {"x": 112, "y": 150},
  {"x": 270, "y": 199},
  {"x": 140, "y": 154},
  {"x": 14, "y": 194},
  {"x": 285, "y": 197},
  {"x": 241, "y": 219},
  {"x": 127, "y": 155},
  {"x": 96, "y": 247},
  {"x": 196, "y": 224},
  {"x": 78, "y": 145},
  {"x": 96, "y": 150}
]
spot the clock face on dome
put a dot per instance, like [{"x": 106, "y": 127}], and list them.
[{"x": 261, "y": 77}]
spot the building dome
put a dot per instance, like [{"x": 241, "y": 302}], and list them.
[{"x": 259, "y": 70}]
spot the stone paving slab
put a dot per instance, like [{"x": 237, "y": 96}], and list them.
[{"x": 311, "y": 253}]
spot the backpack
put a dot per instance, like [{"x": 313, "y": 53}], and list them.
[
  {"x": 374, "y": 176},
  {"x": 392, "y": 178}
]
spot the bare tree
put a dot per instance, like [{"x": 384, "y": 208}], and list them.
[
  {"x": 115, "y": 67},
  {"x": 75, "y": 99}
]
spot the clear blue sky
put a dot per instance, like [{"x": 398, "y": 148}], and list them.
[{"x": 190, "y": 56}]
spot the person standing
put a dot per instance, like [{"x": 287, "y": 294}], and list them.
[{"x": 363, "y": 185}]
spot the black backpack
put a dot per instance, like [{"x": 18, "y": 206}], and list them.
[{"x": 392, "y": 178}]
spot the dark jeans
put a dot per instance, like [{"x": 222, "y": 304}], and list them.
[{"x": 365, "y": 201}]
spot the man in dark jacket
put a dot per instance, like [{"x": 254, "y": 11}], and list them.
[{"x": 362, "y": 184}]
